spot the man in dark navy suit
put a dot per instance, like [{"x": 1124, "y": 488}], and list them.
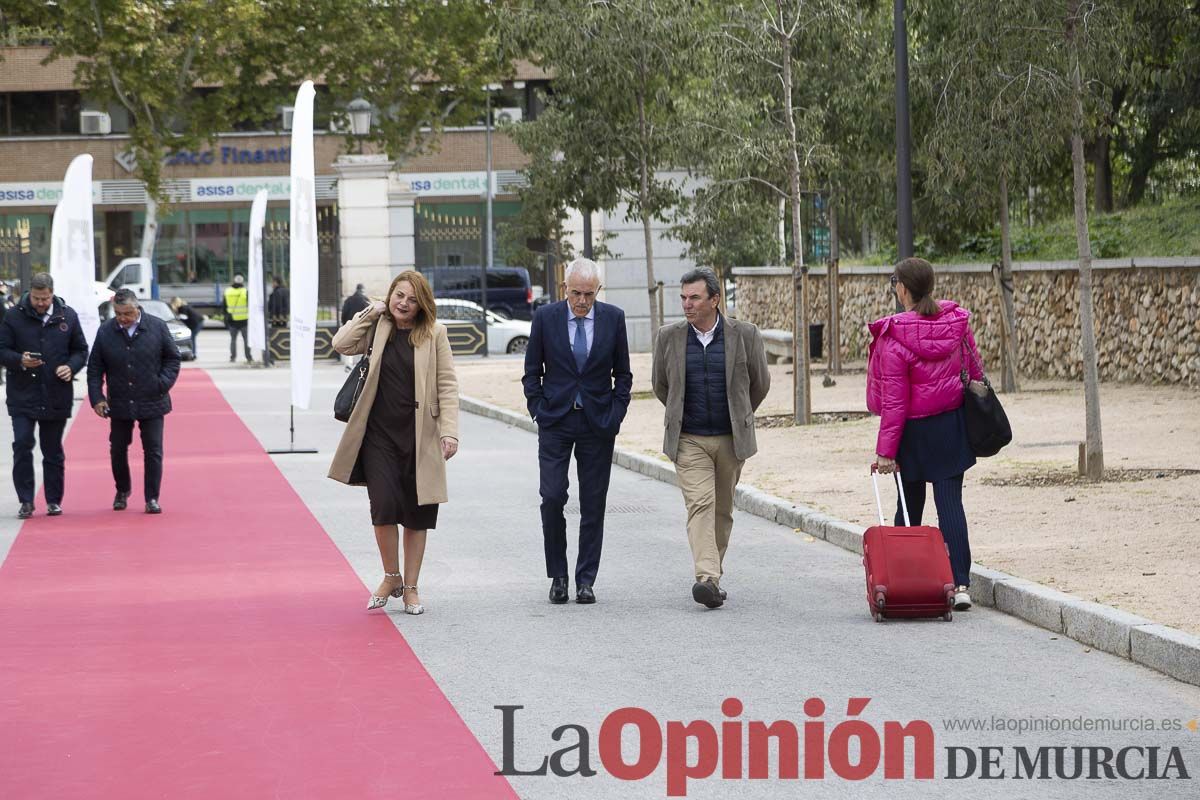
[{"x": 577, "y": 383}]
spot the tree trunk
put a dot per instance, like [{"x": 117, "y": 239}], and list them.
[
  {"x": 802, "y": 405},
  {"x": 834, "y": 333},
  {"x": 1102, "y": 172},
  {"x": 644, "y": 199},
  {"x": 1091, "y": 378},
  {"x": 150, "y": 229},
  {"x": 1145, "y": 156},
  {"x": 1008, "y": 375}
]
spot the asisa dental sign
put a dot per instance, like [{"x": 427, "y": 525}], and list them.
[{"x": 634, "y": 745}]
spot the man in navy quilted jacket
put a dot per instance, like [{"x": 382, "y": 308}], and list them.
[{"x": 136, "y": 356}]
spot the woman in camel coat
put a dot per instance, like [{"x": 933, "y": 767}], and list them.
[{"x": 403, "y": 429}]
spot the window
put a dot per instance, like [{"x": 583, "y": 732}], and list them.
[
  {"x": 505, "y": 280},
  {"x": 39, "y": 113}
]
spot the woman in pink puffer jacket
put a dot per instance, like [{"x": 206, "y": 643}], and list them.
[{"x": 914, "y": 384}]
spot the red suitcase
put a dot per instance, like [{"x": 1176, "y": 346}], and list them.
[{"x": 908, "y": 568}]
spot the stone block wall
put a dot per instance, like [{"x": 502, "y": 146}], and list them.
[{"x": 1148, "y": 318}]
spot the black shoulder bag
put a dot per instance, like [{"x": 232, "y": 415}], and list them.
[
  {"x": 987, "y": 425},
  {"x": 347, "y": 396}
]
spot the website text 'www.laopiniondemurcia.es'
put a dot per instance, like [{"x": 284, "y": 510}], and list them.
[{"x": 853, "y": 749}]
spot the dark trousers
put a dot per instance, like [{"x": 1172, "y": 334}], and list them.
[
  {"x": 234, "y": 329},
  {"x": 593, "y": 462},
  {"x": 195, "y": 352},
  {"x": 53, "y": 457},
  {"x": 952, "y": 519},
  {"x": 120, "y": 436}
]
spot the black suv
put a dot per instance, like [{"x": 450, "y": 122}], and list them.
[{"x": 508, "y": 288}]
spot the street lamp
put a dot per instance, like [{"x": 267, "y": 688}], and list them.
[{"x": 359, "y": 111}]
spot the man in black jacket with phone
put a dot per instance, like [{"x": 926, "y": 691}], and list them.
[
  {"x": 42, "y": 345},
  {"x": 135, "y": 354}
]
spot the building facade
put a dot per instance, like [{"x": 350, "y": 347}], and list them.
[{"x": 203, "y": 232}]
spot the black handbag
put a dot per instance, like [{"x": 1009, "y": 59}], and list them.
[
  {"x": 988, "y": 430},
  {"x": 347, "y": 396}
]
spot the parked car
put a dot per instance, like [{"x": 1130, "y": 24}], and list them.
[
  {"x": 504, "y": 335},
  {"x": 157, "y": 308},
  {"x": 508, "y": 288}
]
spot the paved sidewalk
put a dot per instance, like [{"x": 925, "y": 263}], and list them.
[
  {"x": 795, "y": 627},
  {"x": 1125, "y": 544}
]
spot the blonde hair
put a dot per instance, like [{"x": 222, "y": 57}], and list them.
[
  {"x": 176, "y": 302},
  {"x": 423, "y": 294}
]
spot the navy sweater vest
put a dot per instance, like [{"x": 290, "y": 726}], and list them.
[{"x": 705, "y": 405}]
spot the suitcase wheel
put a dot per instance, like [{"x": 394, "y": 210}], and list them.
[{"x": 948, "y": 616}]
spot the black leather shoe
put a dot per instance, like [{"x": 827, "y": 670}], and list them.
[
  {"x": 707, "y": 594},
  {"x": 53, "y": 509},
  {"x": 120, "y": 501},
  {"x": 152, "y": 507},
  {"x": 584, "y": 594},
  {"x": 26, "y": 511},
  {"x": 558, "y": 591}
]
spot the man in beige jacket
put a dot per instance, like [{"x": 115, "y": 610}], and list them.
[{"x": 711, "y": 374}]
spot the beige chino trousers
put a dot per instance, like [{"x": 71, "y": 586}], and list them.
[{"x": 708, "y": 473}]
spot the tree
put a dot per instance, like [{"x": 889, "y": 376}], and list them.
[
  {"x": 1048, "y": 58},
  {"x": 617, "y": 66},
  {"x": 994, "y": 121},
  {"x": 1155, "y": 95},
  {"x": 186, "y": 70},
  {"x": 752, "y": 131}
]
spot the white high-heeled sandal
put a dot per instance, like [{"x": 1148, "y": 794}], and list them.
[
  {"x": 379, "y": 602},
  {"x": 412, "y": 608}
]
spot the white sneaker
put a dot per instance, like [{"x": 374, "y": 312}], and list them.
[{"x": 962, "y": 600}]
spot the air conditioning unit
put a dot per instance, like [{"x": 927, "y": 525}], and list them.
[
  {"x": 513, "y": 114},
  {"x": 287, "y": 112},
  {"x": 94, "y": 123}
]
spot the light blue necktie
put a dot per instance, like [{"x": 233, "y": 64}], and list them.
[{"x": 579, "y": 348}]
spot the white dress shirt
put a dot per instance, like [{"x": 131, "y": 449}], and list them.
[{"x": 706, "y": 338}]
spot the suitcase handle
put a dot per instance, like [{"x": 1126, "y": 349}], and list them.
[{"x": 899, "y": 490}]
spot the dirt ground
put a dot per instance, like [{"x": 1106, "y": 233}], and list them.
[{"x": 1132, "y": 544}]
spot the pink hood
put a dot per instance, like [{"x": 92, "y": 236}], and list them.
[{"x": 913, "y": 368}]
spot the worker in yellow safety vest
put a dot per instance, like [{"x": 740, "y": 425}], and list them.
[{"x": 237, "y": 312}]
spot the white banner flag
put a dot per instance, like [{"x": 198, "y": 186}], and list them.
[
  {"x": 257, "y": 292},
  {"x": 302, "y": 252},
  {"x": 73, "y": 247}
]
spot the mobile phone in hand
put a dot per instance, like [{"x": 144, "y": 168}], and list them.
[{"x": 38, "y": 356}]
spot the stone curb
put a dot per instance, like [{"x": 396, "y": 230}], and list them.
[{"x": 1166, "y": 650}]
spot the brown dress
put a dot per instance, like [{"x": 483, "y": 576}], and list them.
[{"x": 389, "y": 451}]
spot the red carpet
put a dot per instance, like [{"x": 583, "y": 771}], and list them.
[{"x": 220, "y": 650}]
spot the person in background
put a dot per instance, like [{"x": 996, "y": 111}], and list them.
[
  {"x": 190, "y": 317},
  {"x": 914, "y": 383},
  {"x": 42, "y": 346},
  {"x": 4, "y": 297},
  {"x": 135, "y": 355},
  {"x": 279, "y": 304},
  {"x": 355, "y": 303},
  {"x": 237, "y": 316}
]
